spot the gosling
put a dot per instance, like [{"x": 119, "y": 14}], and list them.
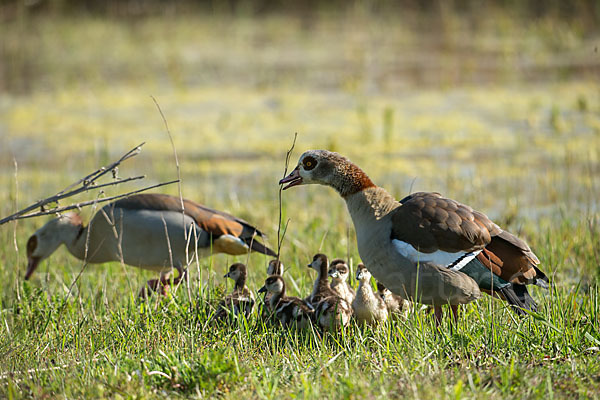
[
  {"x": 289, "y": 311},
  {"x": 241, "y": 299},
  {"x": 395, "y": 304},
  {"x": 339, "y": 273},
  {"x": 331, "y": 310},
  {"x": 369, "y": 308}
]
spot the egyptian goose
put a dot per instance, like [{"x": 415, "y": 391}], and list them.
[
  {"x": 134, "y": 230},
  {"x": 395, "y": 304},
  {"x": 368, "y": 307},
  {"x": 425, "y": 247},
  {"x": 275, "y": 267},
  {"x": 339, "y": 273},
  {"x": 241, "y": 299},
  {"x": 289, "y": 311},
  {"x": 331, "y": 310},
  {"x": 321, "y": 287}
]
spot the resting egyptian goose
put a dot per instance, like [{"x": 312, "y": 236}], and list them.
[
  {"x": 331, "y": 310},
  {"x": 426, "y": 248},
  {"x": 134, "y": 230},
  {"x": 395, "y": 304},
  {"x": 339, "y": 273},
  {"x": 241, "y": 299},
  {"x": 368, "y": 307},
  {"x": 289, "y": 311},
  {"x": 275, "y": 267}
]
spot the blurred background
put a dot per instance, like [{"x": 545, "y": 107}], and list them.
[{"x": 494, "y": 103}]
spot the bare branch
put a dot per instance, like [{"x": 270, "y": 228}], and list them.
[
  {"x": 88, "y": 203},
  {"x": 87, "y": 183},
  {"x": 91, "y": 178}
]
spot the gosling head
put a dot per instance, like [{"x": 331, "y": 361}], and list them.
[
  {"x": 273, "y": 284},
  {"x": 236, "y": 271},
  {"x": 362, "y": 273},
  {"x": 319, "y": 261},
  {"x": 338, "y": 270},
  {"x": 275, "y": 267}
]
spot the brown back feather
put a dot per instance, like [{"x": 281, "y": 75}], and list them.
[{"x": 213, "y": 221}]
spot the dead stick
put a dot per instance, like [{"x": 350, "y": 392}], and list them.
[
  {"x": 88, "y": 203},
  {"x": 86, "y": 181},
  {"x": 90, "y": 178}
]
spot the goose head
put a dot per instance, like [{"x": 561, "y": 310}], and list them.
[
  {"x": 65, "y": 228},
  {"x": 327, "y": 168}
]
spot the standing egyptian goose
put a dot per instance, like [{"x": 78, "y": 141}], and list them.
[
  {"x": 368, "y": 306},
  {"x": 425, "y": 247},
  {"x": 331, "y": 310},
  {"x": 395, "y": 304},
  {"x": 241, "y": 299},
  {"x": 290, "y": 311},
  {"x": 135, "y": 230},
  {"x": 339, "y": 273}
]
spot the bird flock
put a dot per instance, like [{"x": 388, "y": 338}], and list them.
[
  {"x": 331, "y": 304},
  {"x": 424, "y": 248}
]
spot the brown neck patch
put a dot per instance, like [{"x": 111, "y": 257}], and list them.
[{"x": 353, "y": 180}]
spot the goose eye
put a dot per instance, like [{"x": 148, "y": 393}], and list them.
[{"x": 309, "y": 163}]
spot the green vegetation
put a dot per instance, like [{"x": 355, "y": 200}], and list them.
[{"x": 502, "y": 114}]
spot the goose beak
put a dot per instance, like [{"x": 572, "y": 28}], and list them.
[
  {"x": 226, "y": 275},
  {"x": 262, "y": 289},
  {"x": 32, "y": 264},
  {"x": 293, "y": 179}
]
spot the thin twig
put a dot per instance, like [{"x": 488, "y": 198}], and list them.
[
  {"x": 18, "y": 291},
  {"x": 91, "y": 178},
  {"x": 185, "y": 232},
  {"x": 87, "y": 183},
  {"x": 88, "y": 203},
  {"x": 285, "y": 170}
]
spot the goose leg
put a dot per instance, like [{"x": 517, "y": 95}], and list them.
[
  {"x": 454, "y": 312},
  {"x": 154, "y": 285},
  {"x": 182, "y": 275},
  {"x": 438, "y": 313}
]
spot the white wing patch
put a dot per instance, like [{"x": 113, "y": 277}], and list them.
[{"x": 454, "y": 261}]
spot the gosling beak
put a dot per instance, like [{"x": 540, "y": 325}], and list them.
[
  {"x": 32, "y": 264},
  {"x": 293, "y": 179},
  {"x": 226, "y": 275},
  {"x": 262, "y": 289}
]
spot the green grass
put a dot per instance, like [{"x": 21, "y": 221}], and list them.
[{"x": 525, "y": 151}]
